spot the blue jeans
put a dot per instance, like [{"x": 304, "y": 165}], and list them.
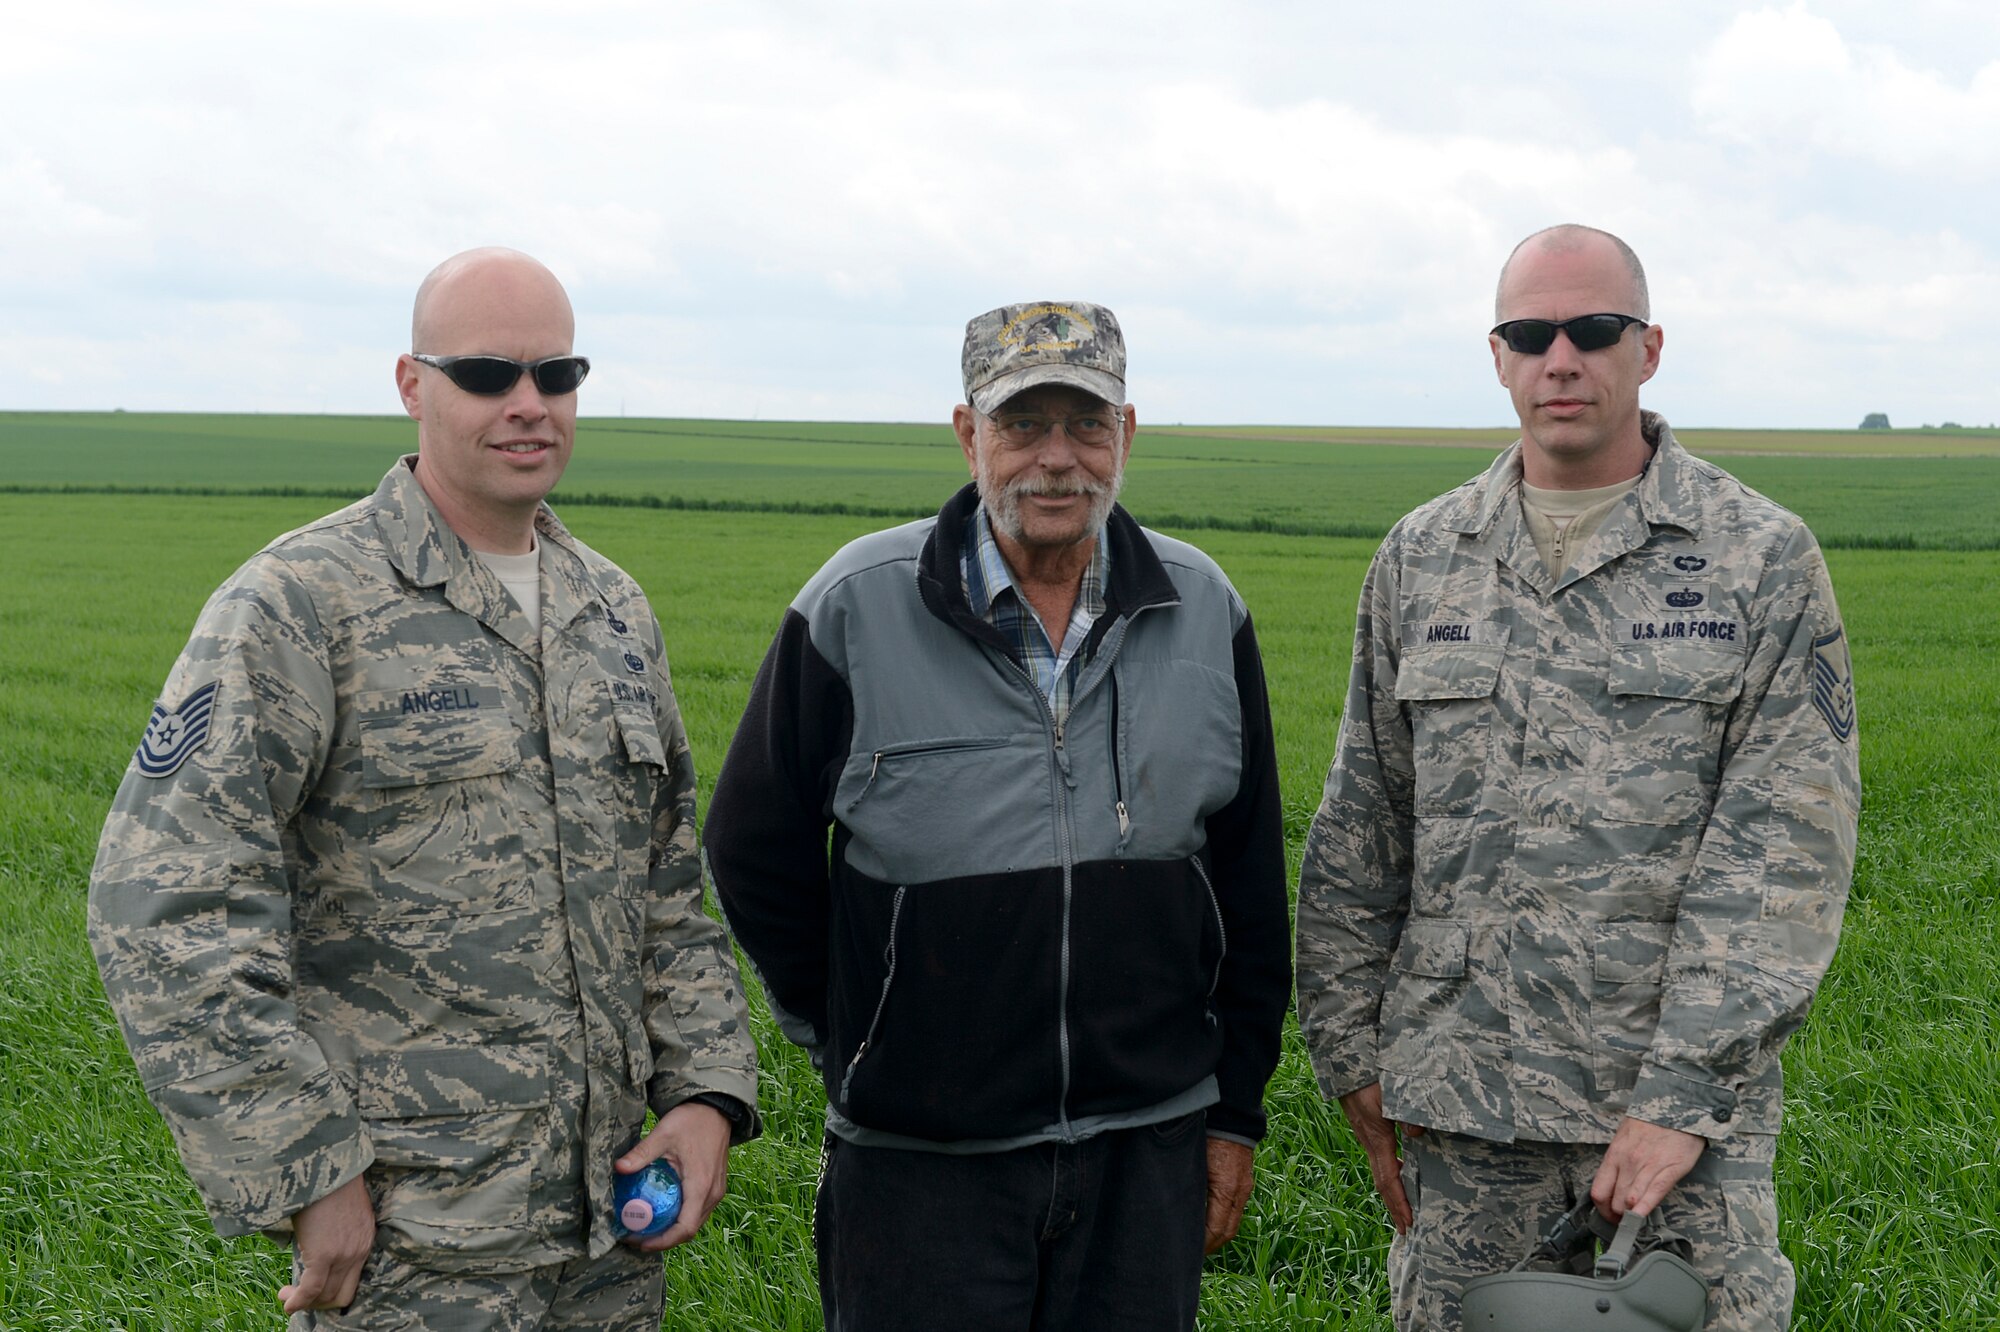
[{"x": 1102, "y": 1234}]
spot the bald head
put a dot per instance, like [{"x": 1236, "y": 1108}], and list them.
[
  {"x": 483, "y": 289},
  {"x": 486, "y": 459},
  {"x": 1571, "y": 238}
]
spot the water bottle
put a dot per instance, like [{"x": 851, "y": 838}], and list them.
[{"x": 646, "y": 1203}]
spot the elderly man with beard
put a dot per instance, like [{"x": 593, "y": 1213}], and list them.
[{"x": 1041, "y": 964}]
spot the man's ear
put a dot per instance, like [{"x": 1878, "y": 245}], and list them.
[
  {"x": 965, "y": 424},
  {"x": 409, "y": 385}
]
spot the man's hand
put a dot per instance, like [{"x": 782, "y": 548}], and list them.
[
  {"x": 1378, "y": 1138},
  {"x": 1230, "y": 1175},
  {"x": 1642, "y": 1164},
  {"x": 332, "y": 1236},
  {"x": 695, "y": 1140}
]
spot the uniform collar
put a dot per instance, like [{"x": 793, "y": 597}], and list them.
[
  {"x": 427, "y": 553},
  {"x": 1489, "y": 507},
  {"x": 1666, "y": 494}
]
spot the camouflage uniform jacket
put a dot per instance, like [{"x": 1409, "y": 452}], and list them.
[
  {"x": 1586, "y": 842},
  {"x": 393, "y": 885}
]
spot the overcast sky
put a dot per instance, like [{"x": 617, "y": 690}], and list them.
[{"x": 789, "y": 210}]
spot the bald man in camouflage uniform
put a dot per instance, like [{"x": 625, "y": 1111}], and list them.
[
  {"x": 1586, "y": 842},
  {"x": 399, "y": 904}
]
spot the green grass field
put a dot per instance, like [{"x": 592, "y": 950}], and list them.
[
  {"x": 1874, "y": 489},
  {"x": 1887, "y": 1177}
]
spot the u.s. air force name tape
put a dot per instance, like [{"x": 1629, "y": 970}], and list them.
[{"x": 174, "y": 734}]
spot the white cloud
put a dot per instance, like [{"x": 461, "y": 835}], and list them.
[
  {"x": 782, "y": 209},
  {"x": 1786, "y": 79}
]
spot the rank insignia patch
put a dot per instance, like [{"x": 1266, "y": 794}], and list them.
[
  {"x": 1833, "y": 684},
  {"x": 173, "y": 735}
]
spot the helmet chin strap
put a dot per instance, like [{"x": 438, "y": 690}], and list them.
[
  {"x": 1644, "y": 1280},
  {"x": 1568, "y": 1244}
]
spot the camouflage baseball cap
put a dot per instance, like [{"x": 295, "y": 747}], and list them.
[{"x": 1043, "y": 342}]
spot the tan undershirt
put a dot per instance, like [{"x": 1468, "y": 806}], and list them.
[
  {"x": 1560, "y": 521},
  {"x": 522, "y": 577}
]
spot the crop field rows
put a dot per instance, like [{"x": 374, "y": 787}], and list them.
[
  {"x": 1323, "y": 482},
  {"x": 1887, "y": 1175}
]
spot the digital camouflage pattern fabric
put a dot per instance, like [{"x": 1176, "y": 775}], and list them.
[
  {"x": 425, "y": 901},
  {"x": 1043, "y": 342},
  {"x": 618, "y": 1291},
  {"x": 1586, "y": 842},
  {"x": 1481, "y": 1205}
]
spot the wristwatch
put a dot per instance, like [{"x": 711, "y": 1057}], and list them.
[{"x": 731, "y": 1109}]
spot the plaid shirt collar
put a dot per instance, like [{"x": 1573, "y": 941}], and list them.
[{"x": 994, "y": 597}]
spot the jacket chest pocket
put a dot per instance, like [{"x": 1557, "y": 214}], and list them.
[
  {"x": 638, "y": 781},
  {"x": 444, "y": 835},
  {"x": 1659, "y": 753},
  {"x": 1447, "y": 694},
  {"x": 943, "y": 806}
]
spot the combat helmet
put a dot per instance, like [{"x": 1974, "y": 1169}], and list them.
[{"x": 1640, "y": 1283}]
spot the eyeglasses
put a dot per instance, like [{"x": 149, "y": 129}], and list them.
[
  {"x": 1020, "y": 430},
  {"x": 1587, "y": 333},
  {"x": 490, "y": 376}
]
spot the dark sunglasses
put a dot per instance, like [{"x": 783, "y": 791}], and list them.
[
  {"x": 1587, "y": 333},
  {"x": 490, "y": 376}
]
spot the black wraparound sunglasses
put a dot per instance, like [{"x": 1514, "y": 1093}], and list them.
[
  {"x": 1587, "y": 333},
  {"x": 490, "y": 376}
]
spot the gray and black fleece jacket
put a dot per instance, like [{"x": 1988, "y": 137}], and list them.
[{"x": 1022, "y": 932}]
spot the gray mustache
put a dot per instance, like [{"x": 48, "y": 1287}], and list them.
[{"x": 1049, "y": 485}]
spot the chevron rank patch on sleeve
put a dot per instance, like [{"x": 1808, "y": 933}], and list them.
[
  {"x": 173, "y": 734},
  {"x": 1833, "y": 683}
]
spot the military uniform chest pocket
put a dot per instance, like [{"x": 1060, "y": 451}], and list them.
[
  {"x": 1447, "y": 692},
  {"x": 1660, "y": 749},
  {"x": 639, "y": 737},
  {"x": 443, "y": 831},
  {"x": 637, "y": 781},
  {"x": 417, "y": 737}
]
